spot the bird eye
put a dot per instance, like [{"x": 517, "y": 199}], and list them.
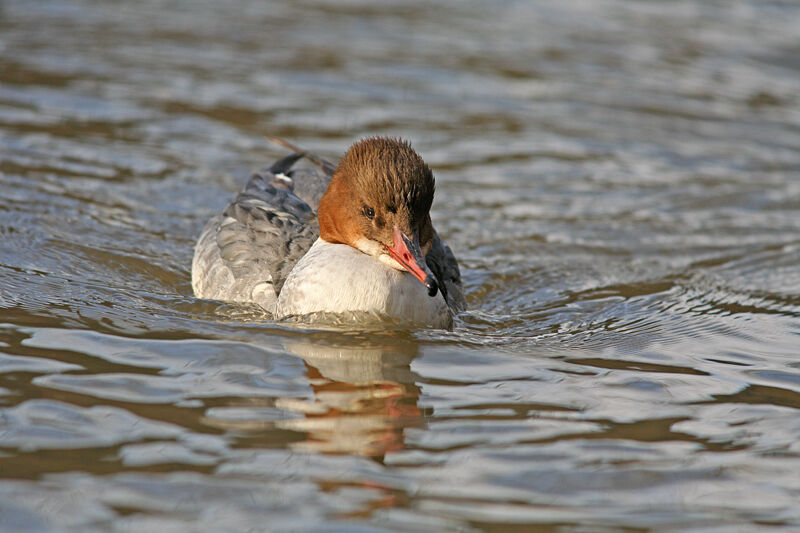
[{"x": 369, "y": 212}]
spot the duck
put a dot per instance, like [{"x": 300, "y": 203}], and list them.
[{"x": 353, "y": 239}]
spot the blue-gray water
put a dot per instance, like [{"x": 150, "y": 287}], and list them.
[{"x": 620, "y": 180}]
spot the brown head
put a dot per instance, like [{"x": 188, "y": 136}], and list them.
[{"x": 379, "y": 201}]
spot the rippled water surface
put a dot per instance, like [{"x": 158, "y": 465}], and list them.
[{"x": 619, "y": 179}]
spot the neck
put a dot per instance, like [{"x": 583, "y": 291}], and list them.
[{"x": 332, "y": 228}]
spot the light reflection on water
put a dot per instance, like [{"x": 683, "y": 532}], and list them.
[{"x": 620, "y": 181}]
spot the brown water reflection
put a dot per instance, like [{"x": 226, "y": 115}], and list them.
[{"x": 362, "y": 397}]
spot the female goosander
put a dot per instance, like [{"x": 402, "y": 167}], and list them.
[{"x": 369, "y": 248}]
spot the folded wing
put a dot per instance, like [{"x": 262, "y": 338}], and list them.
[{"x": 245, "y": 253}]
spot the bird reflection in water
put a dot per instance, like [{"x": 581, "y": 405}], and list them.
[{"x": 364, "y": 397}]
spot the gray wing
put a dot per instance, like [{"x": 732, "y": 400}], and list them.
[
  {"x": 245, "y": 253},
  {"x": 444, "y": 266}
]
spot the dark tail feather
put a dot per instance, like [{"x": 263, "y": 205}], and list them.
[
  {"x": 282, "y": 165},
  {"x": 326, "y": 166}
]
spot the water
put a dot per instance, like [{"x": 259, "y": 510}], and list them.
[{"x": 620, "y": 181}]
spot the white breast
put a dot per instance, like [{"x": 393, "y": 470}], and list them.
[{"x": 337, "y": 278}]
